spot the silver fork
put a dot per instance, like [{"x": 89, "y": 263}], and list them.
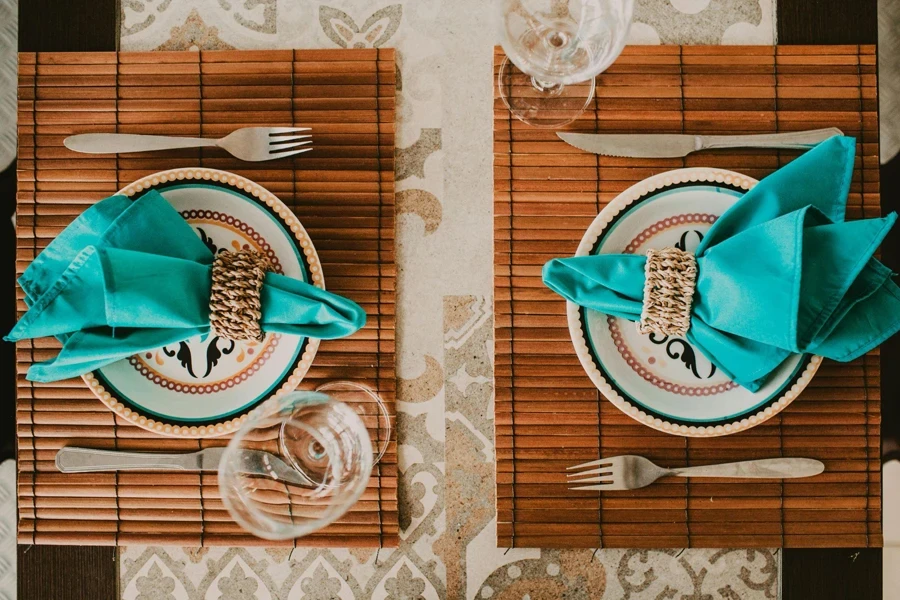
[
  {"x": 631, "y": 472},
  {"x": 249, "y": 143}
]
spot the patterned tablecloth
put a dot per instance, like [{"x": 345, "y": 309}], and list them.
[{"x": 445, "y": 336}]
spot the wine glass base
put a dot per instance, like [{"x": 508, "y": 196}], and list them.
[
  {"x": 309, "y": 452},
  {"x": 540, "y": 104},
  {"x": 366, "y": 403}
]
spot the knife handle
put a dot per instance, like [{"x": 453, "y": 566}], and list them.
[
  {"x": 88, "y": 460},
  {"x": 797, "y": 140}
]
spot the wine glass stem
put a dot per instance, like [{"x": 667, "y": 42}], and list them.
[{"x": 547, "y": 87}]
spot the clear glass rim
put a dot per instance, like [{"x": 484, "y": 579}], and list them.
[
  {"x": 625, "y": 21},
  {"x": 504, "y": 68},
  {"x": 332, "y": 513},
  {"x": 382, "y": 409}
]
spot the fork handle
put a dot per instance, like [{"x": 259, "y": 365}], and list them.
[
  {"x": 117, "y": 143},
  {"x": 768, "y": 468}
]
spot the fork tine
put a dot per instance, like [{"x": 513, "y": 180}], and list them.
[
  {"x": 601, "y": 479},
  {"x": 281, "y": 130},
  {"x": 284, "y": 140},
  {"x": 593, "y": 463},
  {"x": 596, "y": 471},
  {"x": 594, "y": 488},
  {"x": 273, "y": 148},
  {"x": 286, "y": 154}
]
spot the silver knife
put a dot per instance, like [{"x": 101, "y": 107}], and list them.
[
  {"x": 258, "y": 462},
  {"x": 674, "y": 145}
]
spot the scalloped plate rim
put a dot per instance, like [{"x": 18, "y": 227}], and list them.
[
  {"x": 158, "y": 425},
  {"x": 573, "y": 312}
]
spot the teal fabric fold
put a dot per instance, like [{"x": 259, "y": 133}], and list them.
[
  {"x": 781, "y": 272},
  {"x": 130, "y": 276}
]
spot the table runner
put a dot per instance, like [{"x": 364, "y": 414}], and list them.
[
  {"x": 343, "y": 193},
  {"x": 549, "y": 415}
]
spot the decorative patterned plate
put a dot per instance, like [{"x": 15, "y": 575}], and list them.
[
  {"x": 206, "y": 386},
  {"x": 662, "y": 381}
]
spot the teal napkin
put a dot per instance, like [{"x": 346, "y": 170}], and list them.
[
  {"x": 128, "y": 276},
  {"x": 781, "y": 272}
]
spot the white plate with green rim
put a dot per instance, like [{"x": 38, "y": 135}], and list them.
[
  {"x": 660, "y": 381},
  {"x": 206, "y": 386}
]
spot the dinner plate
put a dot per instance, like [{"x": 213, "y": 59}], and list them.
[
  {"x": 663, "y": 381},
  {"x": 206, "y": 385}
]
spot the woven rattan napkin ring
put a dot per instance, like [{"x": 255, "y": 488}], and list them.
[
  {"x": 234, "y": 303},
  {"x": 670, "y": 276}
]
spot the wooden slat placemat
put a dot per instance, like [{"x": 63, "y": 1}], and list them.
[
  {"x": 343, "y": 193},
  {"x": 548, "y": 413}
]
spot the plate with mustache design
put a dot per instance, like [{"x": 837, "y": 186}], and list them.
[
  {"x": 663, "y": 381},
  {"x": 206, "y": 386}
]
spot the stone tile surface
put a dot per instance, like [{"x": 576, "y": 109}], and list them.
[{"x": 445, "y": 322}]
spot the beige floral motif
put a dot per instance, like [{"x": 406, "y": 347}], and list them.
[
  {"x": 279, "y": 554},
  {"x": 196, "y": 554},
  {"x": 540, "y": 589},
  {"x": 321, "y": 586},
  {"x": 769, "y": 570},
  {"x": 705, "y": 27},
  {"x": 404, "y": 585},
  {"x": 556, "y": 574},
  {"x": 377, "y": 29},
  {"x": 269, "y": 16},
  {"x": 194, "y": 34},
  {"x": 728, "y": 593},
  {"x": 422, "y": 203},
  {"x": 470, "y": 492},
  {"x": 238, "y": 585},
  {"x": 626, "y": 573},
  {"x": 469, "y": 498},
  {"x": 410, "y": 162},
  {"x": 580, "y": 564},
  {"x": 409, "y": 501},
  {"x": 458, "y": 310},
  {"x": 424, "y": 387},
  {"x": 155, "y": 585},
  {"x": 362, "y": 555},
  {"x": 139, "y": 7}
]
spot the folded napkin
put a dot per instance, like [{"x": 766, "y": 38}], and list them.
[
  {"x": 780, "y": 272},
  {"x": 128, "y": 276}
]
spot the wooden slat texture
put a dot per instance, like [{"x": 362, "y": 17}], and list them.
[
  {"x": 548, "y": 413},
  {"x": 343, "y": 193}
]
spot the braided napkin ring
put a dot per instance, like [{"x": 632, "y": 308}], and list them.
[
  {"x": 234, "y": 304},
  {"x": 670, "y": 277}
]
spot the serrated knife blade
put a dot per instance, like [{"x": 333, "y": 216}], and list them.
[
  {"x": 634, "y": 146},
  {"x": 674, "y": 145}
]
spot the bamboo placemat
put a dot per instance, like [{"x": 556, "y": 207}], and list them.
[
  {"x": 342, "y": 192},
  {"x": 548, "y": 413}
]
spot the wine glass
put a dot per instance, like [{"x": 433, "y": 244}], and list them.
[
  {"x": 554, "y": 50},
  {"x": 371, "y": 409},
  {"x": 297, "y": 464}
]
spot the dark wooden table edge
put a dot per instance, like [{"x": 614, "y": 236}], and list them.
[
  {"x": 843, "y": 573},
  {"x": 57, "y": 572},
  {"x": 60, "y": 573}
]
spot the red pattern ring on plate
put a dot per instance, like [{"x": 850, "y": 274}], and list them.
[
  {"x": 669, "y": 223},
  {"x": 262, "y": 244}
]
